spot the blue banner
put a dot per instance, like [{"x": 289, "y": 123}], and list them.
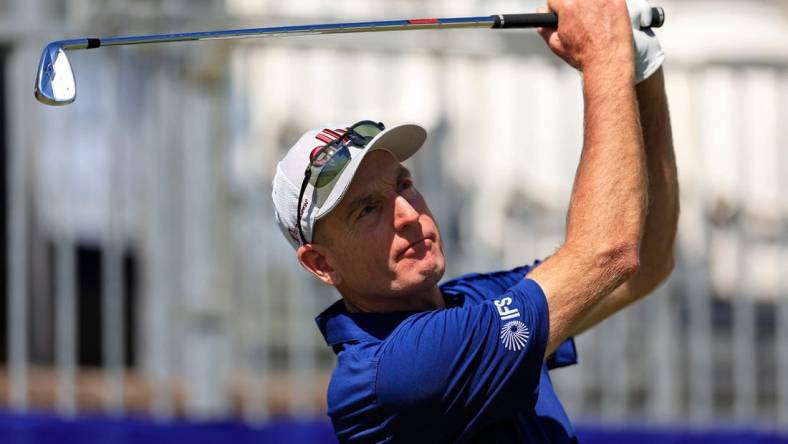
[{"x": 42, "y": 428}]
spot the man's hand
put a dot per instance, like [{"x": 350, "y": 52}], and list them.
[
  {"x": 648, "y": 54},
  {"x": 590, "y": 32}
]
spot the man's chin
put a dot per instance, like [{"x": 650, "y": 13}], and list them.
[
  {"x": 422, "y": 280},
  {"x": 423, "y": 273},
  {"x": 432, "y": 275}
]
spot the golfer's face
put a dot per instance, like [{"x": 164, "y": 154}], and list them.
[{"x": 385, "y": 241}]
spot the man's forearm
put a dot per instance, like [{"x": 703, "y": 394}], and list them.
[
  {"x": 610, "y": 185},
  {"x": 656, "y": 251},
  {"x": 663, "y": 211},
  {"x": 608, "y": 205}
]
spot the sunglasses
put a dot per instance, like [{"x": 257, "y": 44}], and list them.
[{"x": 326, "y": 163}]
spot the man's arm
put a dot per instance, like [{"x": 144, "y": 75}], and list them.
[
  {"x": 656, "y": 252},
  {"x": 607, "y": 209}
]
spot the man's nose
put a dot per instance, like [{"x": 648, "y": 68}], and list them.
[{"x": 404, "y": 214}]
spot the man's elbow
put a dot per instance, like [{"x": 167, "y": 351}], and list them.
[{"x": 619, "y": 261}]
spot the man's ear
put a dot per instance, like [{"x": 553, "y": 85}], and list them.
[{"x": 315, "y": 259}]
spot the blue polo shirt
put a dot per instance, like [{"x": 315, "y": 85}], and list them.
[{"x": 472, "y": 372}]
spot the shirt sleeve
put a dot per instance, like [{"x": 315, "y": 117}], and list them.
[
  {"x": 564, "y": 356},
  {"x": 482, "y": 286},
  {"x": 464, "y": 366}
]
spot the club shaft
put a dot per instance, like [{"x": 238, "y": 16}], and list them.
[
  {"x": 282, "y": 31},
  {"x": 531, "y": 20}
]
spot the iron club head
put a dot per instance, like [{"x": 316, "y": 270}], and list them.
[{"x": 55, "y": 80}]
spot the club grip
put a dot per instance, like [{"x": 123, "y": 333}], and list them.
[
  {"x": 531, "y": 20},
  {"x": 550, "y": 20}
]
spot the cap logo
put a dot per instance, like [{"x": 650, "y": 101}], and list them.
[
  {"x": 328, "y": 136},
  {"x": 303, "y": 207},
  {"x": 293, "y": 232}
]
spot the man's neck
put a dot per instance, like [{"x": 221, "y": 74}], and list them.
[{"x": 431, "y": 299}]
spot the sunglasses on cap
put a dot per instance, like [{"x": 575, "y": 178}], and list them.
[{"x": 327, "y": 162}]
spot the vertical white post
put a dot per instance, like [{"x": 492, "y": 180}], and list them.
[
  {"x": 694, "y": 236},
  {"x": 255, "y": 329},
  {"x": 204, "y": 261},
  {"x": 22, "y": 140},
  {"x": 743, "y": 344},
  {"x": 663, "y": 390},
  {"x": 20, "y": 131},
  {"x": 698, "y": 296},
  {"x": 158, "y": 256},
  {"x": 112, "y": 287},
  {"x": 781, "y": 335},
  {"x": 261, "y": 351},
  {"x": 65, "y": 285},
  {"x": 252, "y": 329}
]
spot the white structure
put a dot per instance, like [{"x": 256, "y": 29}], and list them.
[{"x": 169, "y": 150}]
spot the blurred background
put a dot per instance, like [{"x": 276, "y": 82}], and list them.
[{"x": 147, "y": 294}]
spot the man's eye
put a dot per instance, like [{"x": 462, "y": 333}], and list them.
[
  {"x": 367, "y": 209},
  {"x": 406, "y": 185}
]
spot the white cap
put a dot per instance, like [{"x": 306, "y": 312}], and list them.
[{"x": 401, "y": 140}]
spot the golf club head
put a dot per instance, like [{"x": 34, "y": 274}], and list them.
[{"x": 55, "y": 80}]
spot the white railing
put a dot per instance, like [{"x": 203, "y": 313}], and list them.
[{"x": 184, "y": 153}]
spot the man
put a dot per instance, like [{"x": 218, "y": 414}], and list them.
[{"x": 468, "y": 361}]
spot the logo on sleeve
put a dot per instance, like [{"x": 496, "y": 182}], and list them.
[
  {"x": 505, "y": 311},
  {"x": 514, "y": 335}
]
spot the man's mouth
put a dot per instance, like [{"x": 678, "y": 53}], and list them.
[{"x": 415, "y": 248}]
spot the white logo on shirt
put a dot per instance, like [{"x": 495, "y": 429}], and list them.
[
  {"x": 514, "y": 335},
  {"x": 504, "y": 310}
]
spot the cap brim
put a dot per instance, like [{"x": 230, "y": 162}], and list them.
[{"x": 402, "y": 141}]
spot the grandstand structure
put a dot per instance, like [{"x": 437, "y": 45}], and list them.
[{"x": 144, "y": 271}]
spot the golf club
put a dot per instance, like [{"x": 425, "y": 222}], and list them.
[{"x": 55, "y": 84}]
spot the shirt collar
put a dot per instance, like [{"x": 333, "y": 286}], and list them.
[{"x": 338, "y": 325}]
